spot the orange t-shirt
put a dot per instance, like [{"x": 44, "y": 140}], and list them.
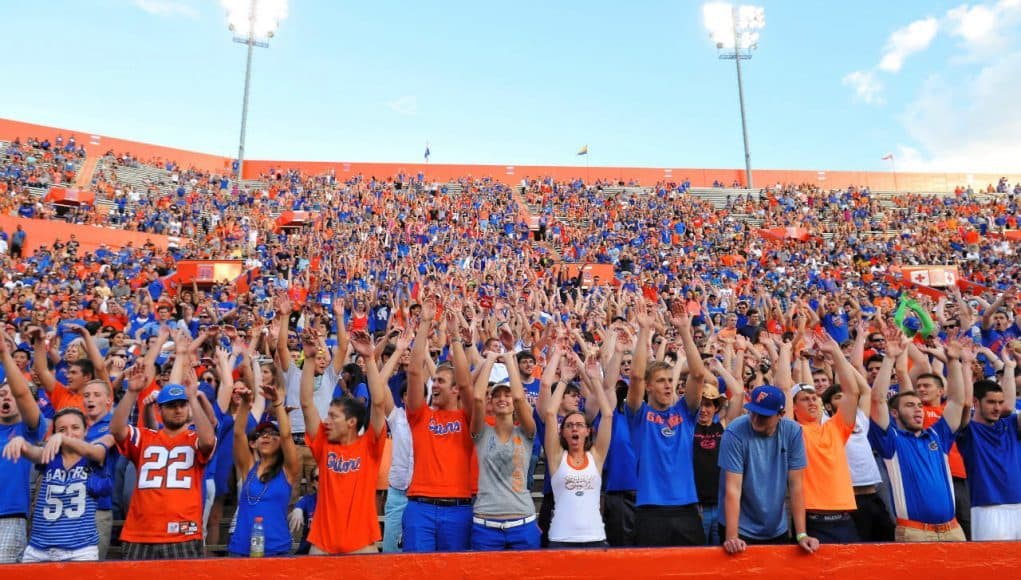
[
  {"x": 828, "y": 477},
  {"x": 933, "y": 414},
  {"x": 346, "y": 519},
  {"x": 442, "y": 445},
  {"x": 61, "y": 398},
  {"x": 166, "y": 507}
]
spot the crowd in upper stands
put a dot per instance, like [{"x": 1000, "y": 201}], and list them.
[{"x": 420, "y": 356}]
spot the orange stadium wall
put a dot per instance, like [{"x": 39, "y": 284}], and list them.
[
  {"x": 876, "y": 562},
  {"x": 45, "y": 232},
  {"x": 922, "y": 182}
]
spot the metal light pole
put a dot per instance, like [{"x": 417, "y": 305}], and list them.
[
  {"x": 252, "y": 43},
  {"x": 744, "y": 23}
]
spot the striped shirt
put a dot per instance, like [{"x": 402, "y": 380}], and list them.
[
  {"x": 920, "y": 480},
  {"x": 65, "y": 513}
]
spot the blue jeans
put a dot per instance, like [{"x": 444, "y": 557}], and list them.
[
  {"x": 524, "y": 537},
  {"x": 710, "y": 521},
  {"x": 393, "y": 515},
  {"x": 433, "y": 528}
]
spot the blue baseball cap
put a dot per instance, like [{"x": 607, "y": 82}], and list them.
[
  {"x": 766, "y": 400},
  {"x": 170, "y": 393}
]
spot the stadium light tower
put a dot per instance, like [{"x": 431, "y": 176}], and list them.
[
  {"x": 735, "y": 30},
  {"x": 253, "y": 23}
]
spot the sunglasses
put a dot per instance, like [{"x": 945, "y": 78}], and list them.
[{"x": 119, "y": 355}]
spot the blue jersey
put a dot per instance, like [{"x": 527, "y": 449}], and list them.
[
  {"x": 268, "y": 500},
  {"x": 99, "y": 429},
  {"x": 920, "y": 480},
  {"x": 662, "y": 441},
  {"x": 621, "y": 467},
  {"x": 992, "y": 457},
  {"x": 65, "y": 511},
  {"x": 14, "y": 476}
]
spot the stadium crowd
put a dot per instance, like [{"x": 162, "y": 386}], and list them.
[{"x": 423, "y": 356}]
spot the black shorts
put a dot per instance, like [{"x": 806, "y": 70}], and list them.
[{"x": 669, "y": 526}]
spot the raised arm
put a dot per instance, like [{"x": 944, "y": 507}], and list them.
[
  {"x": 40, "y": 362},
  {"x": 640, "y": 357},
  {"x": 955, "y": 384},
  {"x": 478, "y": 419},
  {"x": 308, "y": 406},
  {"x": 243, "y": 458},
  {"x": 92, "y": 351},
  {"x": 462, "y": 371},
  {"x": 18, "y": 384},
  {"x": 136, "y": 379},
  {"x": 525, "y": 415},
  {"x": 340, "y": 350},
  {"x": 554, "y": 452},
  {"x": 419, "y": 352},
  {"x": 848, "y": 409},
  {"x": 284, "y": 308},
  {"x": 697, "y": 372},
  {"x": 880, "y": 412},
  {"x": 362, "y": 343}
]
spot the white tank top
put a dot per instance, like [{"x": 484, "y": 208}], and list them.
[{"x": 576, "y": 516}]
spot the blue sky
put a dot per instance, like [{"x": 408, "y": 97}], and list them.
[{"x": 834, "y": 85}]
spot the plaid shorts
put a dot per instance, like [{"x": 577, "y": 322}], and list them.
[
  {"x": 189, "y": 550},
  {"x": 13, "y": 539}
]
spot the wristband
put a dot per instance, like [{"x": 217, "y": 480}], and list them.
[{"x": 801, "y": 536}]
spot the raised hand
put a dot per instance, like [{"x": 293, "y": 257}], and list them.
[
  {"x": 361, "y": 342},
  {"x": 679, "y": 316},
  {"x": 135, "y": 376}
]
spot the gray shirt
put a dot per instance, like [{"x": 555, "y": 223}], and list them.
[
  {"x": 322, "y": 393},
  {"x": 503, "y": 474}
]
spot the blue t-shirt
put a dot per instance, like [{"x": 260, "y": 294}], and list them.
[
  {"x": 836, "y": 326},
  {"x": 919, "y": 473},
  {"x": 662, "y": 442},
  {"x": 992, "y": 457},
  {"x": 621, "y": 466},
  {"x": 764, "y": 462},
  {"x": 96, "y": 431},
  {"x": 14, "y": 476}
]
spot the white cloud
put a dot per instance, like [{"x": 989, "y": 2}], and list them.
[
  {"x": 981, "y": 28},
  {"x": 167, "y": 8},
  {"x": 914, "y": 37},
  {"x": 406, "y": 105},
  {"x": 966, "y": 125},
  {"x": 867, "y": 87}
]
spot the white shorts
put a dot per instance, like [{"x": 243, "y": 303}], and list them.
[
  {"x": 86, "y": 554},
  {"x": 996, "y": 522}
]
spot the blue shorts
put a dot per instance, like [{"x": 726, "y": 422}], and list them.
[
  {"x": 523, "y": 537},
  {"x": 433, "y": 528}
]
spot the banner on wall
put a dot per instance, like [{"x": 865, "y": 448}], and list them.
[{"x": 932, "y": 276}]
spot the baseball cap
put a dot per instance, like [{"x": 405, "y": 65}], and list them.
[
  {"x": 710, "y": 392},
  {"x": 494, "y": 386},
  {"x": 801, "y": 387},
  {"x": 766, "y": 400},
  {"x": 267, "y": 425},
  {"x": 170, "y": 393}
]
